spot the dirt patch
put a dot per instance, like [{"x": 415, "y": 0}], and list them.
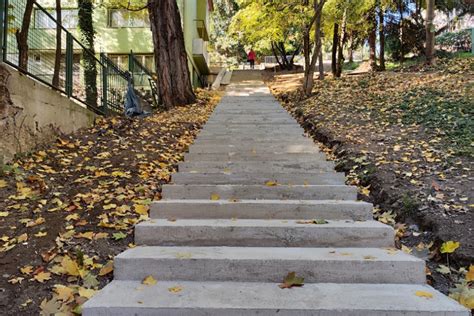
[
  {"x": 67, "y": 209},
  {"x": 405, "y": 138}
]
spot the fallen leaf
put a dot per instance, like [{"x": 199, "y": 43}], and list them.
[
  {"x": 107, "y": 268},
  {"x": 141, "y": 209},
  {"x": 87, "y": 293},
  {"x": 313, "y": 221},
  {"x": 119, "y": 236},
  {"x": 70, "y": 266},
  {"x": 26, "y": 269},
  {"x": 470, "y": 274},
  {"x": 449, "y": 246},
  {"x": 4, "y": 214},
  {"x": 3, "y": 184},
  {"x": 424, "y": 294},
  {"x": 271, "y": 183},
  {"x": 215, "y": 197},
  {"x": 41, "y": 234},
  {"x": 149, "y": 280},
  {"x": 291, "y": 280},
  {"x": 42, "y": 276},
  {"x": 175, "y": 289}
]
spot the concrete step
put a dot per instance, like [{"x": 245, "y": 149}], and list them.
[
  {"x": 236, "y": 137},
  {"x": 259, "y": 192},
  {"x": 256, "y": 166},
  {"x": 123, "y": 298},
  {"x": 269, "y": 264},
  {"x": 261, "y": 209},
  {"x": 263, "y": 233},
  {"x": 259, "y": 178},
  {"x": 254, "y": 149},
  {"x": 242, "y": 142},
  {"x": 295, "y": 157}
]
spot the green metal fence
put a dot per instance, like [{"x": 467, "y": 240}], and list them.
[
  {"x": 97, "y": 83},
  {"x": 143, "y": 80}
]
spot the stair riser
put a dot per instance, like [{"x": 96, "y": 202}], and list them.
[
  {"x": 263, "y": 236},
  {"x": 187, "y": 192},
  {"x": 271, "y": 270},
  {"x": 295, "y": 179},
  {"x": 252, "y": 211},
  {"x": 253, "y": 149},
  {"x": 240, "y": 157}
]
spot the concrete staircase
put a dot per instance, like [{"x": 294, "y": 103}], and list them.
[{"x": 225, "y": 235}]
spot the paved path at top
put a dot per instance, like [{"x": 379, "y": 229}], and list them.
[{"x": 254, "y": 200}]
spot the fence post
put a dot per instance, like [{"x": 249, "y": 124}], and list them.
[
  {"x": 3, "y": 26},
  {"x": 69, "y": 64},
  {"x": 104, "y": 82}
]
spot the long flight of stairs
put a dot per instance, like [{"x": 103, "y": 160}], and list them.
[{"x": 238, "y": 218}]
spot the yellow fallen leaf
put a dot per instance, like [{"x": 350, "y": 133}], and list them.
[
  {"x": 109, "y": 206},
  {"x": 101, "y": 235},
  {"x": 42, "y": 276},
  {"x": 70, "y": 266},
  {"x": 271, "y": 183},
  {"x": 449, "y": 246},
  {"x": 107, "y": 268},
  {"x": 87, "y": 293},
  {"x": 41, "y": 234},
  {"x": 64, "y": 293},
  {"x": 22, "y": 237},
  {"x": 470, "y": 274},
  {"x": 424, "y": 294},
  {"x": 26, "y": 269},
  {"x": 149, "y": 280},
  {"x": 4, "y": 214},
  {"x": 175, "y": 289},
  {"x": 215, "y": 197},
  {"x": 141, "y": 209},
  {"x": 86, "y": 235},
  {"x": 3, "y": 183}
]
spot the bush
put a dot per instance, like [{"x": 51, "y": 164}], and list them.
[{"x": 455, "y": 41}]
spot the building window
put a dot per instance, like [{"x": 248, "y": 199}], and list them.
[
  {"x": 126, "y": 18},
  {"x": 147, "y": 60},
  {"x": 69, "y": 19}
]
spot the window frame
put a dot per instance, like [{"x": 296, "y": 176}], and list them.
[
  {"x": 146, "y": 25},
  {"x": 52, "y": 12}
]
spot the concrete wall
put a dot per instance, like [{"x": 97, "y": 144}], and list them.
[{"x": 32, "y": 113}]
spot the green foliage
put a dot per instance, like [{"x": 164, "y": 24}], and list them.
[
  {"x": 89, "y": 61},
  {"x": 455, "y": 41}
]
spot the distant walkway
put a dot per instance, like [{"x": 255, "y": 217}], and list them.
[{"x": 255, "y": 200}]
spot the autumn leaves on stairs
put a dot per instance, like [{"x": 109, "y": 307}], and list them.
[{"x": 253, "y": 201}]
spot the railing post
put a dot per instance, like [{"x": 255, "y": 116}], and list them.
[
  {"x": 130, "y": 62},
  {"x": 104, "y": 83},
  {"x": 69, "y": 64},
  {"x": 3, "y": 27}
]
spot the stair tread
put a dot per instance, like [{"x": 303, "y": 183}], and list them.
[{"x": 244, "y": 298}]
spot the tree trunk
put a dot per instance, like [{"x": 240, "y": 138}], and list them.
[
  {"x": 373, "y": 40},
  {"x": 22, "y": 36},
  {"x": 381, "y": 38},
  {"x": 321, "y": 65},
  {"x": 351, "y": 48},
  {"x": 276, "y": 55},
  {"x": 57, "y": 58},
  {"x": 88, "y": 55},
  {"x": 335, "y": 41},
  {"x": 309, "y": 73},
  {"x": 430, "y": 31},
  {"x": 340, "y": 46},
  {"x": 174, "y": 79},
  {"x": 400, "y": 30}
]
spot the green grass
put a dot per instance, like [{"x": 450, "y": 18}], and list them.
[
  {"x": 449, "y": 114},
  {"x": 351, "y": 66}
]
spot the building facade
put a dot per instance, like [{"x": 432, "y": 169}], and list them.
[{"x": 120, "y": 31}]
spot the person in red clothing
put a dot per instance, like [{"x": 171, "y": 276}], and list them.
[{"x": 251, "y": 58}]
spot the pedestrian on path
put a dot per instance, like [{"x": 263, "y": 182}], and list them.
[{"x": 251, "y": 58}]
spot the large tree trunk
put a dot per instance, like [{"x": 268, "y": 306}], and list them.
[
  {"x": 22, "y": 36},
  {"x": 174, "y": 80},
  {"x": 335, "y": 41},
  {"x": 372, "y": 40},
  {"x": 88, "y": 55},
  {"x": 340, "y": 46},
  {"x": 430, "y": 31},
  {"x": 309, "y": 73},
  {"x": 321, "y": 65},
  {"x": 57, "y": 58},
  {"x": 381, "y": 38}
]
